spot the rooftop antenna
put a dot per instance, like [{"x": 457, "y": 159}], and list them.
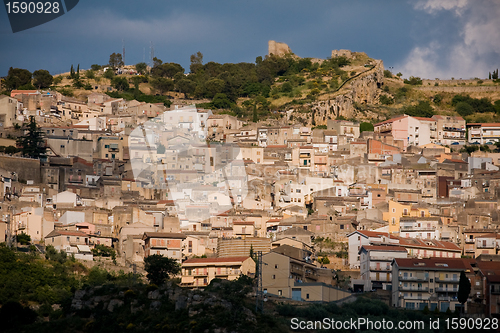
[{"x": 152, "y": 54}]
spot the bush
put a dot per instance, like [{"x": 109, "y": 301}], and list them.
[
  {"x": 422, "y": 109},
  {"x": 387, "y": 73},
  {"x": 414, "y": 81},
  {"x": 437, "y": 99},
  {"x": 385, "y": 100},
  {"x": 365, "y": 126},
  {"x": 23, "y": 239},
  {"x": 464, "y": 109}
]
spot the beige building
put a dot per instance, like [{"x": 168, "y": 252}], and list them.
[
  {"x": 8, "y": 111},
  {"x": 109, "y": 148},
  {"x": 72, "y": 242},
  {"x": 300, "y": 280},
  {"x": 199, "y": 272},
  {"x": 167, "y": 244}
]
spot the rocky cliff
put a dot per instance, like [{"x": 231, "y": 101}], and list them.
[
  {"x": 362, "y": 89},
  {"x": 278, "y": 49}
]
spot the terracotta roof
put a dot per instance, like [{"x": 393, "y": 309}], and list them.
[
  {"x": 215, "y": 260},
  {"x": 391, "y": 120},
  {"x": 384, "y": 248},
  {"x": 54, "y": 233},
  {"x": 425, "y": 119},
  {"x": 436, "y": 263},
  {"x": 485, "y": 124},
  {"x": 275, "y": 146},
  {"x": 163, "y": 235},
  {"x": 243, "y": 223}
]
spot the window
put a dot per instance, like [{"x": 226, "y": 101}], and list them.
[
  {"x": 307, "y": 296},
  {"x": 280, "y": 292},
  {"x": 276, "y": 266},
  {"x": 274, "y": 277},
  {"x": 67, "y": 238}
]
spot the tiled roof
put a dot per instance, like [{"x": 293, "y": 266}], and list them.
[
  {"x": 384, "y": 248},
  {"x": 436, "y": 263},
  {"x": 215, "y": 260}
]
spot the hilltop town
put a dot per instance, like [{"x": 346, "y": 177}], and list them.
[{"x": 347, "y": 181}]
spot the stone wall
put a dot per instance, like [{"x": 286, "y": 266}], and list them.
[
  {"x": 26, "y": 168},
  {"x": 363, "y": 89},
  {"x": 460, "y": 89},
  {"x": 278, "y": 49}
]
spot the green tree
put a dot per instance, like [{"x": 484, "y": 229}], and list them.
[
  {"x": 115, "y": 60},
  {"x": 422, "y": 109},
  {"x": 221, "y": 101},
  {"x": 366, "y": 127},
  {"x": 95, "y": 67},
  {"x": 387, "y": 73},
  {"x": 42, "y": 79},
  {"x": 185, "y": 86},
  {"x": 162, "y": 84},
  {"x": 71, "y": 72},
  {"x": 16, "y": 78},
  {"x": 399, "y": 74},
  {"x": 196, "y": 62},
  {"x": 414, "y": 81},
  {"x": 120, "y": 83},
  {"x": 109, "y": 74},
  {"x": 160, "y": 149},
  {"x": 141, "y": 68},
  {"x": 167, "y": 70},
  {"x": 23, "y": 239},
  {"x": 464, "y": 109},
  {"x": 464, "y": 287},
  {"x": 90, "y": 74},
  {"x": 160, "y": 268},
  {"x": 32, "y": 143},
  {"x": 78, "y": 71},
  {"x": 386, "y": 100}
]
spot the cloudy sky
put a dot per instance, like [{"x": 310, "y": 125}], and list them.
[{"x": 427, "y": 38}]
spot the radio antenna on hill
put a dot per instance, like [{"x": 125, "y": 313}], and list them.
[
  {"x": 123, "y": 52},
  {"x": 152, "y": 54}
]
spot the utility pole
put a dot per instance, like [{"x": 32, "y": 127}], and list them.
[{"x": 259, "y": 295}]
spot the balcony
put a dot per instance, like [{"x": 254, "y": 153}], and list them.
[
  {"x": 447, "y": 298},
  {"x": 381, "y": 269},
  {"x": 413, "y": 278},
  {"x": 447, "y": 280},
  {"x": 21, "y": 226},
  {"x": 446, "y": 290},
  {"x": 414, "y": 288},
  {"x": 201, "y": 273},
  {"x": 417, "y": 297}
]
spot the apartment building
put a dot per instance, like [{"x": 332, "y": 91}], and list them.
[
  {"x": 376, "y": 265},
  {"x": 199, "y": 272},
  {"x": 297, "y": 279},
  {"x": 483, "y": 133},
  {"x": 433, "y": 282},
  {"x": 450, "y": 130},
  {"x": 167, "y": 244}
]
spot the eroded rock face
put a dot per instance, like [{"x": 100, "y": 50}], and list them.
[
  {"x": 362, "y": 90},
  {"x": 278, "y": 49},
  {"x": 342, "y": 53}
]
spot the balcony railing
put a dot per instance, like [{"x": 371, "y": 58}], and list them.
[
  {"x": 413, "y": 278},
  {"x": 414, "y": 288},
  {"x": 446, "y": 290},
  {"x": 448, "y": 280}
]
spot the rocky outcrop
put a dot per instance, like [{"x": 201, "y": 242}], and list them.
[
  {"x": 342, "y": 53},
  {"x": 278, "y": 49},
  {"x": 363, "y": 89}
]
